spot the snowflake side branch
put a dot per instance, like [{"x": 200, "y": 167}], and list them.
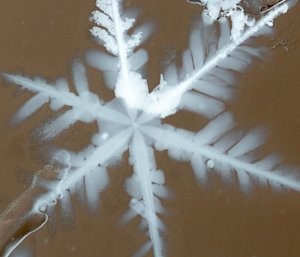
[
  {"x": 171, "y": 140},
  {"x": 68, "y": 99}
]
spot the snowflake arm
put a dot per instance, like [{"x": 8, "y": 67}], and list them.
[
  {"x": 219, "y": 146},
  {"x": 85, "y": 106},
  {"x": 165, "y": 99},
  {"x": 145, "y": 187},
  {"x": 112, "y": 30},
  {"x": 86, "y": 166}
]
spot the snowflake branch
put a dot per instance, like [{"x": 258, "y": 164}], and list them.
[
  {"x": 143, "y": 167},
  {"x": 50, "y": 185},
  {"x": 113, "y": 32},
  {"x": 225, "y": 51},
  {"x": 170, "y": 139},
  {"x": 128, "y": 86},
  {"x": 67, "y": 98},
  {"x": 101, "y": 154},
  {"x": 164, "y": 100}
]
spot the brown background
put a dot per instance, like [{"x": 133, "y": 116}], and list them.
[{"x": 41, "y": 37}]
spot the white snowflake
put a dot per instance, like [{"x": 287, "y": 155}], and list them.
[{"x": 134, "y": 120}]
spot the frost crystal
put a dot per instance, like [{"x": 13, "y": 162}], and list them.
[{"x": 235, "y": 10}]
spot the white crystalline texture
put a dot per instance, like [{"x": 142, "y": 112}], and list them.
[
  {"x": 233, "y": 10},
  {"x": 107, "y": 32},
  {"x": 239, "y": 21},
  {"x": 215, "y": 7},
  {"x": 109, "y": 41},
  {"x": 105, "y": 6},
  {"x": 135, "y": 93},
  {"x": 134, "y": 41},
  {"x": 103, "y": 20}
]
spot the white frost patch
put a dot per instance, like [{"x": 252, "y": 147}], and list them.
[
  {"x": 214, "y": 9},
  {"x": 134, "y": 89},
  {"x": 233, "y": 9}
]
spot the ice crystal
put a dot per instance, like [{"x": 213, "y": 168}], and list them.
[
  {"x": 235, "y": 10},
  {"x": 134, "y": 120}
]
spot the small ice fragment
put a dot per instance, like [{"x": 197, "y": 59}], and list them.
[{"x": 210, "y": 164}]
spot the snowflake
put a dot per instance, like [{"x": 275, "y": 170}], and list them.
[{"x": 134, "y": 120}]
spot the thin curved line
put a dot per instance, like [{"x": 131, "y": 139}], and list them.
[{"x": 14, "y": 245}]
